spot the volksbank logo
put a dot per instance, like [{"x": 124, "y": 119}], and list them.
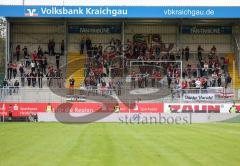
[
  {"x": 83, "y": 11},
  {"x": 65, "y": 11},
  {"x": 62, "y": 11},
  {"x": 31, "y": 12}
]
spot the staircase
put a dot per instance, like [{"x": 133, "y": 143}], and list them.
[
  {"x": 75, "y": 68},
  {"x": 233, "y": 72}
]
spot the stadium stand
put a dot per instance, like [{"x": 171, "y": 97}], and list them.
[{"x": 97, "y": 61}]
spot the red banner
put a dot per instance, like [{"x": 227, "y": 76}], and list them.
[
  {"x": 24, "y": 109},
  {"x": 193, "y": 107}
]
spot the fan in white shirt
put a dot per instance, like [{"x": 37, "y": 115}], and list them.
[{"x": 198, "y": 84}]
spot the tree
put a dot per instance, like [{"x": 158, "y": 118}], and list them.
[
  {"x": 2, "y": 28},
  {"x": 2, "y": 45}
]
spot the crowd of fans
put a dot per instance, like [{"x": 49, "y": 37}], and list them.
[
  {"x": 209, "y": 72},
  {"x": 97, "y": 66},
  {"x": 32, "y": 68},
  {"x": 101, "y": 63}
]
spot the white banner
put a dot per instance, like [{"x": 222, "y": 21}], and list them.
[
  {"x": 201, "y": 107},
  {"x": 139, "y": 118},
  {"x": 198, "y": 97},
  {"x": 122, "y": 2}
]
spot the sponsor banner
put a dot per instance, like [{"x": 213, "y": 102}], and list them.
[
  {"x": 206, "y": 30},
  {"x": 226, "y": 108},
  {"x": 122, "y": 2},
  {"x": 95, "y": 29},
  {"x": 201, "y": 108},
  {"x": 189, "y": 107},
  {"x": 125, "y": 118},
  {"x": 198, "y": 97},
  {"x": 24, "y": 109},
  {"x": 121, "y": 12},
  {"x": 140, "y": 118}
]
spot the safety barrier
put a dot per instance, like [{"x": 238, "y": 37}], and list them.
[{"x": 124, "y": 93}]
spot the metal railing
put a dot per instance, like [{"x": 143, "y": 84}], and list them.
[
  {"x": 237, "y": 52},
  {"x": 99, "y": 94}
]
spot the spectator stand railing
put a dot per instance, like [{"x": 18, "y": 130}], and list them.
[
  {"x": 45, "y": 94},
  {"x": 97, "y": 94},
  {"x": 236, "y": 46}
]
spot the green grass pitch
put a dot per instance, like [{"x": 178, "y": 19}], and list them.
[{"x": 110, "y": 144}]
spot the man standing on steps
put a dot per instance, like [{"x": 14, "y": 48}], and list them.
[
  {"x": 228, "y": 80},
  {"x": 14, "y": 70},
  {"x": 89, "y": 47},
  {"x": 62, "y": 47},
  {"x": 34, "y": 78},
  {"x": 9, "y": 71},
  {"x": 200, "y": 50},
  {"x": 187, "y": 53},
  {"x": 18, "y": 52},
  {"x": 82, "y": 44},
  {"x": 53, "y": 47},
  {"x": 29, "y": 80},
  {"x": 40, "y": 76},
  {"x": 57, "y": 60},
  {"x": 23, "y": 79},
  {"x": 71, "y": 84}
]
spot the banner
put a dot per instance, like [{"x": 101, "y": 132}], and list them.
[
  {"x": 226, "y": 108},
  {"x": 141, "y": 118},
  {"x": 24, "y": 109},
  {"x": 189, "y": 107},
  {"x": 198, "y": 97},
  {"x": 206, "y": 30},
  {"x": 200, "y": 107},
  {"x": 95, "y": 29},
  {"x": 121, "y": 12}
]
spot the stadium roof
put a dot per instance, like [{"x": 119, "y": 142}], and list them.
[
  {"x": 122, "y": 2},
  {"x": 121, "y": 8}
]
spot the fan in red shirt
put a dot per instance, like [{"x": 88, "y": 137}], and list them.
[
  {"x": 153, "y": 76},
  {"x": 158, "y": 77},
  {"x": 184, "y": 85},
  {"x": 71, "y": 82},
  {"x": 177, "y": 73},
  {"x": 34, "y": 56}
]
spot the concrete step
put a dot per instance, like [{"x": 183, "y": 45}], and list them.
[{"x": 76, "y": 71}]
